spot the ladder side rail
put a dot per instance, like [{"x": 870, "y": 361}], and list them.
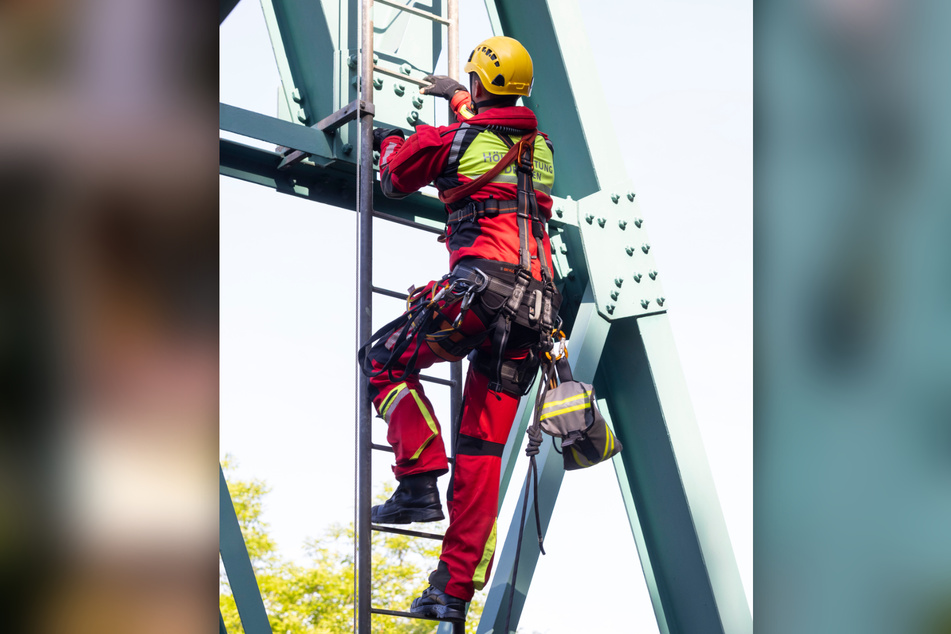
[{"x": 365, "y": 177}]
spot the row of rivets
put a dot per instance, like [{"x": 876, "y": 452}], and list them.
[{"x": 645, "y": 303}]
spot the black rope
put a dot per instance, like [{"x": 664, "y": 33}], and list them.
[{"x": 531, "y": 476}]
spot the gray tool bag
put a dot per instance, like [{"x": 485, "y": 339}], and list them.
[{"x": 570, "y": 412}]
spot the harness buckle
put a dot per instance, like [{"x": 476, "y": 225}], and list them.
[{"x": 489, "y": 208}]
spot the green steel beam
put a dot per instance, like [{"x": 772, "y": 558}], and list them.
[
  {"x": 663, "y": 472},
  {"x": 265, "y": 128},
  {"x": 329, "y": 185},
  {"x": 234, "y": 555},
  {"x": 640, "y": 541},
  {"x": 305, "y": 50}
]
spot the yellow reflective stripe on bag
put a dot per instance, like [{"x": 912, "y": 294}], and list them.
[
  {"x": 584, "y": 396},
  {"x": 563, "y": 411},
  {"x": 608, "y": 444}
]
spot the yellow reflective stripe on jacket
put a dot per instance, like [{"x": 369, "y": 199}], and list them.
[
  {"x": 390, "y": 400},
  {"x": 487, "y": 149},
  {"x": 479, "y": 578},
  {"x": 429, "y": 421}
]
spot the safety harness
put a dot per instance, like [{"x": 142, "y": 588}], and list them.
[
  {"x": 530, "y": 303},
  {"x": 526, "y": 301}
]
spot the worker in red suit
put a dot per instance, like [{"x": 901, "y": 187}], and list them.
[{"x": 494, "y": 171}]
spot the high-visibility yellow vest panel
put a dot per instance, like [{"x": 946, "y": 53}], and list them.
[{"x": 488, "y": 149}]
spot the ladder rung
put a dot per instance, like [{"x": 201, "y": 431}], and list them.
[
  {"x": 414, "y": 11},
  {"x": 388, "y": 293},
  {"x": 408, "y": 615},
  {"x": 407, "y": 223},
  {"x": 389, "y": 449},
  {"x": 400, "y": 76},
  {"x": 403, "y": 531},
  {"x": 433, "y": 379}
]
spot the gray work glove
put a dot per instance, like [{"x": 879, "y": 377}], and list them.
[{"x": 442, "y": 86}]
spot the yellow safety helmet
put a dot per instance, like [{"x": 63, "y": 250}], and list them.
[{"x": 503, "y": 65}]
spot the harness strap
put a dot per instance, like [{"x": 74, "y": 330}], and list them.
[{"x": 485, "y": 209}]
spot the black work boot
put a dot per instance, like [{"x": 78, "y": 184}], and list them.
[
  {"x": 436, "y": 604},
  {"x": 416, "y": 499}
]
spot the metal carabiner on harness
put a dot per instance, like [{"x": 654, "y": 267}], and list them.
[{"x": 472, "y": 289}]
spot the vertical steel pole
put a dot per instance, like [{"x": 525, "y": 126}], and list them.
[
  {"x": 452, "y": 49},
  {"x": 364, "y": 317},
  {"x": 453, "y": 37}
]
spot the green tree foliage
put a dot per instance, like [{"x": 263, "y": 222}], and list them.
[{"x": 317, "y": 598}]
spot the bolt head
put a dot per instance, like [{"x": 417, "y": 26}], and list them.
[
  {"x": 660, "y": 301},
  {"x": 610, "y": 309},
  {"x": 564, "y": 248},
  {"x": 589, "y": 218},
  {"x": 653, "y": 275},
  {"x": 638, "y": 222},
  {"x": 630, "y": 196},
  {"x": 615, "y": 198},
  {"x": 622, "y": 224},
  {"x": 645, "y": 303},
  {"x": 377, "y": 82},
  {"x": 637, "y": 277},
  {"x": 629, "y": 250},
  {"x": 645, "y": 248},
  {"x": 618, "y": 281},
  {"x": 412, "y": 117},
  {"x": 399, "y": 89},
  {"x": 559, "y": 212},
  {"x": 347, "y": 148},
  {"x": 417, "y": 102},
  {"x": 405, "y": 69},
  {"x": 615, "y": 295}
]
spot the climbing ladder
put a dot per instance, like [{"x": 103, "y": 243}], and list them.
[{"x": 366, "y": 175}]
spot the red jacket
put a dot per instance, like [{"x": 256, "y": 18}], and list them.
[{"x": 428, "y": 157}]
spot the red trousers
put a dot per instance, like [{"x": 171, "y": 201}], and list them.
[{"x": 415, "y": 434}]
